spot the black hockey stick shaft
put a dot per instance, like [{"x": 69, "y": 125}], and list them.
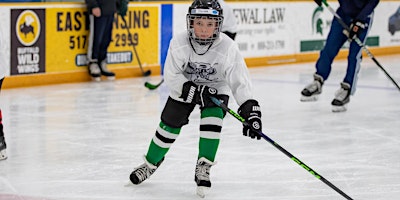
[
  {"x": 292, "y": 157},
  {"x": 358, "y": 41},
  {"x": 152, "y": 86},
  {"x": 144, "y": 73}
]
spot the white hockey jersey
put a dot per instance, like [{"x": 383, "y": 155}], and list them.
[
  {"x": 221, "y": 67},
  {"x": 230, "y": 23}
]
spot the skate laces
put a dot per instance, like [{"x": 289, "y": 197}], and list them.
[
  {"x": 143, "y": 172},
  {"x": 94, "y": 69},
  {"x": 203, "y": 171},
  {"x": 314, "y": 86},
  {"x": 341, "y": 94},
  {"x": 103, "y": 66}
]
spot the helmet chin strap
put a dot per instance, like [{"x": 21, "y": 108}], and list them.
[{"x": 199, "y": 45}]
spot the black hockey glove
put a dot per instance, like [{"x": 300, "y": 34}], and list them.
[
  {"x": 355, "y": 28},
  {"x": 198, "y": 94},
  {"x": 122, "y": 7},
  {"x": 251, "y": 112},
  {"x": 319, "y": 2}
]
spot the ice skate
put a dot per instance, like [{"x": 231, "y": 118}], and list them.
[
  {"x": 143, "y": 172},
  {"x": 312, "y": 91},
  {"x": 202, "y": 176},
  {"x": 3, "y": 146},
  {"x": 342, "y": 97},
  {"x": 105, "y": 72},
  {"x": 94, "y": 71}
]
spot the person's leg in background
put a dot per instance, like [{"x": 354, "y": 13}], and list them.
[
  {"x": 105, "y": 42},
  {"x": 3, "y": 145}
]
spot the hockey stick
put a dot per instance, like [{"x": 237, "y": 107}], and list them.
[
  {"x": 358, "y": 41},
  {"x": 292, "y": 157},
  {"x": 144, "y": 73},
  {"x": 152, "y": 86}
]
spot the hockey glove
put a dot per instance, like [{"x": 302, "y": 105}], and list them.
[
  {"x": 122, "y": 7},
  {"x": 319, "y": 2},
  {"x": 355, "y": 28},
  {"x": 251, "y": 112},
  {"x": 198, "y": 94}
]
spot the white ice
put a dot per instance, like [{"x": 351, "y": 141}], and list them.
[{"x": 81, "y": 141}]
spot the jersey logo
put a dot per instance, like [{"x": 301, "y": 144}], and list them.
[{"x": 201, "y": 72}]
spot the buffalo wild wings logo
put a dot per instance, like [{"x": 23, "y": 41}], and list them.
[{"x": 27, "y": 28}]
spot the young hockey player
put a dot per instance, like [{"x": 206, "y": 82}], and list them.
[
  {"x": 201, "y": 63},
  {"x": 357, "y": 14}
]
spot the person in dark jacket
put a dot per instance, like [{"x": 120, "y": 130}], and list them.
[
  {"x": 358, "y": 15},
  {"x": 101, "y": 19}
]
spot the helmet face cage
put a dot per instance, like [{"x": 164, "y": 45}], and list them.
[{"x": 208, "y": 9}]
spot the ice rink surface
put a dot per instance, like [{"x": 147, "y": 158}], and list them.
[{"x": 81, "y": 141}]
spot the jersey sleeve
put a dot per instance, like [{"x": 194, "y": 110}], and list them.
[
  {"x": 237, "y": 76},
  {"x": 91, "y": 4},
  {"x": 367, "y": 10},
  {"x": 174, "y": 67}
]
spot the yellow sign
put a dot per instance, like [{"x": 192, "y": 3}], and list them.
[
  {"x": 143, "y": 25},
  {"x": 67, "y": 35}
]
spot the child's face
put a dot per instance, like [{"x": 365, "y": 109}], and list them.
[{"x": 204, "y": 27}]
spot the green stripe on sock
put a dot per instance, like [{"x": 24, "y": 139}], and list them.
[
  {"x": 212, "y": 112},
  {"x": 155, "y": 153},
  {"x": 169, "y": 129},
  {"x": 208, "y": 148}
]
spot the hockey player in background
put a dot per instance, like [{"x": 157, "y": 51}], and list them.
[
  {"x": 358, "y": 15},
  {"x": 101, "y": 21},
  {"x": 201, "y": 63},
  {"x": 229, "y": 27}
]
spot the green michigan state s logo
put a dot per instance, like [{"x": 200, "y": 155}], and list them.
[{"x": 317, "y": 22}]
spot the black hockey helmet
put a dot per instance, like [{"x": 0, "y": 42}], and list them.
[{"x": 204, "y": 8}]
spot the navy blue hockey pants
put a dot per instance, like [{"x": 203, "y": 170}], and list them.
[
  {"x": 100, "y": 37},
  {"x": 334, "y": 43}
]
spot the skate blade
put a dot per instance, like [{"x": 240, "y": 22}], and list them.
[
  {"x": 201, "y": 191},
  {"x": 339, "y": 108},
  {"x": 96, "y": 79},
  {"x": 129, "y": 184},
  {"x": 307, "y": 99},
  {"x": 110, "y": 78}
]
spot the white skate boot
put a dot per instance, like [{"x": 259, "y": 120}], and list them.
[
  {"x": 94, "y": 71},
  {"x": 342, "y": 97},
  {"x": 143, "y": 172},
  {"x": 3, "y": 146},
  {"x": 313, "y": 90},
  {"x": 202, "y": 176},
  {"x": 105, "y": 72}
]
